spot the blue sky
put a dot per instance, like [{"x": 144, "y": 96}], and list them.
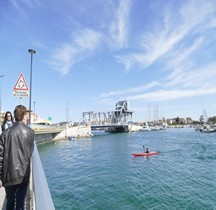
[{"x": 91, "y": 54}]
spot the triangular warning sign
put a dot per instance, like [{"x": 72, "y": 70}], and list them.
[{"x": 21, "y": 84}]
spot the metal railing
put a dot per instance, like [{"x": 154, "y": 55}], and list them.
[
  {"x": 41, "y": 195},
  {"x": 38, "y": 196}
]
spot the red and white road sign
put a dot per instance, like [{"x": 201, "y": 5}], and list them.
[
  {"x": 21, "y": 87},
  {"x": 21, "y": 83}
]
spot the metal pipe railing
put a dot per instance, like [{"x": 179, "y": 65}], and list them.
[{"x": 41, "y": 193}]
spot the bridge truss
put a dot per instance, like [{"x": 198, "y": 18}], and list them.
[{"x": 120, "y": 116}]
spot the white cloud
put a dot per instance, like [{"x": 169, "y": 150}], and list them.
[
  {"x": 182, "y": 54},
  {"x": 65, "y": 56},
  {"x": 119, "y": 27},
  {"x": 193, "y": 77},
  {"x": 178, "y": 45},
  {"x": 161, "y": 41},
  {"x": 37, "y": 43},
  {"x": 171, "y": 94},
  {"x": 130, "y": 90},
  {"x": 87, "y": 39},
  {"x": 18, "y": 5},
  {"x": 32, "y": 4}
]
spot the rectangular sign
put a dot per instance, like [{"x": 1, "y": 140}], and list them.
[{"x": 20, "y": 93}]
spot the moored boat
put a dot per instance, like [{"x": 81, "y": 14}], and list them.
[{"x": 208, "y": 130}]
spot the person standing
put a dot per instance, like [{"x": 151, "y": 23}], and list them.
[
  {"x": 8, "y": 121},
  {"x": 16, "y": 148},
  {"x": 146, "y": 150}
]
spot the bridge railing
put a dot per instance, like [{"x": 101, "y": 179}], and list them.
[
  {"x": 41, "y": 193},
  {"x": 38, "y": 196}
]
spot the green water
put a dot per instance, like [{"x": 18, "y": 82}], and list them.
[{"x": 100, "y": 172}]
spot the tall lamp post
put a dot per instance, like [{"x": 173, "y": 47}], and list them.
[
  {"x": 1, "y": 97},
  {"x": 32, "y": 52},
  {"x": 34, "y": 112}
]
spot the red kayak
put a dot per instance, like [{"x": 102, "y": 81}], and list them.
[{"x": 145, "y": 154}]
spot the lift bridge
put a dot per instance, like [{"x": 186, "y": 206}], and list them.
[{"x": 111, "y": 121}]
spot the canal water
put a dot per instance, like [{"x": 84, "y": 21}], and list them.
[{"x": 101, "y": 173}]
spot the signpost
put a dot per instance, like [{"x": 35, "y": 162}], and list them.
[{"x": 21, "y": 88}]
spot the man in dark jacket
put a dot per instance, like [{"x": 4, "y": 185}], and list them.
[{"x": 16, "y": 147}]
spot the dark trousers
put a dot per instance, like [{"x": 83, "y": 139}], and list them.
[{"x": 16, "y": 194}]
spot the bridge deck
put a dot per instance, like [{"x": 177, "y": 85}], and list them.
[{"x": 108, "y": 126}]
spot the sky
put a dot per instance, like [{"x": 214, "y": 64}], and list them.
[{"x": 158, "y": 55}]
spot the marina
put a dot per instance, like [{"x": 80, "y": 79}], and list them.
[
  {"x": 117, "y": 132},
  {"x": 121, "y": 98},
  {"x": 99, "y": 172}
]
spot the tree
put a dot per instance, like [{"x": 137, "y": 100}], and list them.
[
  {"x": 189, "y": 120},
  {"x": 177, "y": 120},
  {"x": 212, "y": 120},
  {"x": 201, "y": 119}
]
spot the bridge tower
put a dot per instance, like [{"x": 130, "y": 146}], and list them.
[{"x": 120, "y": 116}]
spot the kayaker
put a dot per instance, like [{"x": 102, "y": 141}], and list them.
[{"x": 146, "y": 150}]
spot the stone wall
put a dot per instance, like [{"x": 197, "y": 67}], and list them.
[{"x": 74, "y": 132}]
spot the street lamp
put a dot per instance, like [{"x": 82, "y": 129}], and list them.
[
  {"x": 34, "y": 112},
  {"x": 31, "y": 52},
  {"x": 1, "y": 97},
  {"x": 34, "y": 107}
]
